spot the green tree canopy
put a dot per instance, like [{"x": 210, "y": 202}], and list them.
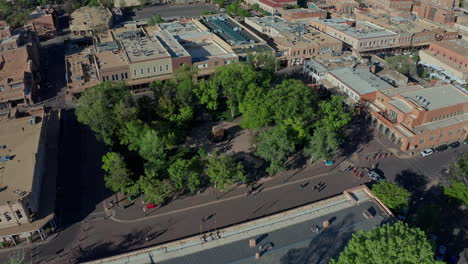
[
  {"x": 233, "y": 80},
  {"x": 388, "y": 244},
  {"x": 291, "y": 99},
  {"x": 392, "y": 195},
  {"x": 155, "y": 19},
  {"x": 224, "y": 172},
  {"x": 275, "y": 146},
  {"x": 457, "y": 186},
  {"x": 156, "y": 191},
  {"x": 185, "y": 174},
  {"x": 333, "y": 114},
  {"x": 118, "y": 176},
  {"x": 104, "y": 108},
  {"x": 209, "y": 94},
  {"x": 255, "y": 112},
  {"x": 151, "y": 148},
  {"x": 322, "y": 144}
]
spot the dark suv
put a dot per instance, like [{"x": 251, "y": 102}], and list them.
[
  {"x": 441, "y": 148},
  {"x": 455, "y": 144}
]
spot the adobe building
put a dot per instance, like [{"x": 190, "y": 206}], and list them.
[
  {"x": 401, "y": 5},
  {"x": 80, "y": 71},
  {"x": 19, "y": 78},
  {"x": 206, "y": 49},
  {"x": 89, "y": 20},
  {"x": 27, "y": 189},
  {"x": 413, "y": 33},
  {"x": 295, "y": 41},
  {"x": 450, "y": 56},
  {"x": 417, "y": 117},
  {"x": 301, "y": 13},
  {"x": 360, "y": 36},
  {"x": 437, "y": 14},
  {"x": 42, "y": 22}
]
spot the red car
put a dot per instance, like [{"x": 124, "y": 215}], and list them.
[{"x": 151, "y": 205}]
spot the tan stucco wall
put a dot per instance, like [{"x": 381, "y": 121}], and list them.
[{"x": 162, "y": 66}]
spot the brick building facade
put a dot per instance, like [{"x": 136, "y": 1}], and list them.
[{"x": 416, "y": 117}]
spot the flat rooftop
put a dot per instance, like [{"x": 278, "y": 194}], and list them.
[
  {"x": 15, "y": 64},
  {"x": 290, "y": 232},
  {"x": 110, "y": 59},
  {"x": 436, "y": 97},
  {"x": 398, "y": 24},
  {"x": 436, "y": 125},
  {"x": 180, "y": 28},
  {"x": 170, "y": 43},
  {"x": 362, "y": 29},
  {"x": 360, "y": 80},
  {"x": 20, "y": 141},
  {"x": 203, "y": 51},
  {"x": 280, "y": 24},
  {"x": 90, "y": 17},
  {"x": 80, "y": 70},
  {"x": 228, "y": 30},
  {"x": 141, "y": 48},
  {"x": 458, "y": 46}
]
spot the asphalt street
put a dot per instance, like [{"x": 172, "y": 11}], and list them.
[{"x": 173, "y": 11}]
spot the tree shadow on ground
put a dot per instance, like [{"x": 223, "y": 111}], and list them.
[
  {"x": 131, "y": 241},
  {"x": 359, "y": 133},
  {"x": 254, "y": 167},
  {"x": 413, "y": 182},
  {"x": 443, "y": 217}
]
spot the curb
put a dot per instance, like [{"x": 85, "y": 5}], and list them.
[{"x": 213, "y": 202}]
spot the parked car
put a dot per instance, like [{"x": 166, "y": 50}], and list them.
[
  {"x": 375, "y": 176},
  {"x": 427, "y": 152},
  {"x": 465, "y": 141},
  {"x": 441, "y": 148},
  {"x": 455, "y": 144}
]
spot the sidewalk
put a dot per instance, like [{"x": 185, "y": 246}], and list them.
[
  {"x": 208, "y": 196},
  {"x": 392, "y": 147}
]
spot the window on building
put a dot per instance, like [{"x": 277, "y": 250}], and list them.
[
  {"x": 122, "y": 76},
  {"x": 117, "y": 77},
  {"x": 148, "y": 69},
  {"x": 7, "y": 216},
  {"x": 167, "y": 67},
  {"x": 126, "y": 75},
  {"x": 134, "y": 72},
  {"x": 160, "y": 68},
  {"x": 459, "y": 130},
  {"x": 441, "y": 134},
  {"x": 113, "y": 77},
  {"x": 451, "y": 132},
  {"x": 393, "y": 115},
  {"x": 421, "y": 141},
  {"x": 431, "y": 138},
  {"x": 2, "y": 88},
  {"x": 16, "y": 85},
  {"x": 19, "y": 214},
  {"x": 154, "y": 68},
  {"x": 103, "y": 78},
  {"x": 141, "y": 70}
]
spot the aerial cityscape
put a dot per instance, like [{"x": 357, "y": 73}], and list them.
[{"x": 234, "y": 131}]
